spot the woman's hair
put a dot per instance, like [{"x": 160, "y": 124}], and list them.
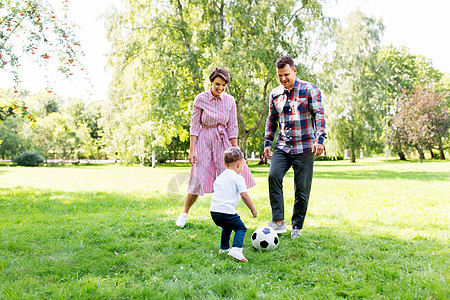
[
  {"x": 232, "y": 155},
  {"x": 285, "y": 60},
  {"x": 220, "y": 72}
]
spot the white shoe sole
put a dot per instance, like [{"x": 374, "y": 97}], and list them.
[{"x": 243, "y": 259}]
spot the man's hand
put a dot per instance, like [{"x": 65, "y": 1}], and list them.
[
  {"x": 317, "y": 148},
  {"x": 268, "y": 152}
]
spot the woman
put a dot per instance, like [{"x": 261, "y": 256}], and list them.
[{"x": 213, "y": 130}]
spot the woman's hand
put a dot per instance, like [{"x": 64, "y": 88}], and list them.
[
  {"x": 192, "y": 157},
  {"x": 192, "y": 151}
]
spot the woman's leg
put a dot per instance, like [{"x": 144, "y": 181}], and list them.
[
  {"x": 182, "y": 218},
  {"x": 190, "y": 200}
]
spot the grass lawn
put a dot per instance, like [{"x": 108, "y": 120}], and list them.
[{"x": 373, "y": 231}]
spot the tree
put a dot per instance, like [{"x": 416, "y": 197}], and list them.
[
  {"x": 12, "y": 105},
  {"x": 402, "y": 71},
  {"x": 13, "y": 143},
  {"x": 164, "y": 50},
  {"x": 423, "y": 119},
  {"x": 350, "y": 81},
  {"x": 33, "y": 29}
]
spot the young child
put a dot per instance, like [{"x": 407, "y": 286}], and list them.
[{"x": 228, "y": 188}]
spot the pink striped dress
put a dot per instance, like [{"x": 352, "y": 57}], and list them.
[{"x": 214, "y": 122}]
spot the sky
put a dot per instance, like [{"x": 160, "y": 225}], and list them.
[{"x": 420, "y": 26}]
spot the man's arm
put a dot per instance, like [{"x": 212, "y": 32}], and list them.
[
  {"x": 319, "y": 118},
  {"x": 271, "y": 128}
]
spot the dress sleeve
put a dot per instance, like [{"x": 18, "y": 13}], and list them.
[
  {"x": 232, "y": 126},
  {"x": 196, "y": 118}
]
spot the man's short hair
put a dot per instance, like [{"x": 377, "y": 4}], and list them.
[
  {"x": 285, "y": 60},
  {"x": 232, "y": 155},
  {"x": 220, "y": 72}
]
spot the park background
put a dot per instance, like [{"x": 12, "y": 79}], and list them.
[{"x": 378, "y": 220}]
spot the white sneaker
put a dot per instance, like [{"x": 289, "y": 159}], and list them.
[
  {"x": 182, "y": 218},
  {"x": 237, "y": 254},
  {"x": 224, "y": 251}
]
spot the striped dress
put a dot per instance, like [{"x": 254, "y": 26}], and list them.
[{"x": 214, "y": 122}]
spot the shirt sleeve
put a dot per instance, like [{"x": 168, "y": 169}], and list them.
[
  {"x": 240, "y": 184},
  {"x": 232, "y": 125},
  {"x": 196, "y": 118},
  {"x": 271, "y": 124},
  {"x": 319, "y": 113}
]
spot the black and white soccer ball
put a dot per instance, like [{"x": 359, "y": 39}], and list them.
[{"x": 265, "y": 238}]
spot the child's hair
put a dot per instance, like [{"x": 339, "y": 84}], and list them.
[
  {"x": 220, "y": 72},
  {"x": 232, "y": 155}
]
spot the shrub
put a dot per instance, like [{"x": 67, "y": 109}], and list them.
[
  {"x": 28, "y": 159},
  {"x": 327, "y": 158}
]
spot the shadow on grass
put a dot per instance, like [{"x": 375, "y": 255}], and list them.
[
  {"x": 382, "y": 175},
  {"x": 366, "y": 174}
]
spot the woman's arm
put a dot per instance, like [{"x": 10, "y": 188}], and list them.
[
  {"x": 233, "y": 142},
  {"x": 192, "y": 153}
]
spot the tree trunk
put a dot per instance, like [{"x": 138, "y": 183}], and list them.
[
  {"x": 262, "y": 158},
  {"x": 431, "y": 152},
  {"x": 401, "y": 154},
  {"x": 441, "y": 152},
  {"x": 242, "y": 142},
  {"x": 352, "y": 155},
  {"x": 420, "y": 151}
]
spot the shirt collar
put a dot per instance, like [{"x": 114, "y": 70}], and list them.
[
  {"x": 279, "y": 90},
  {"x": 212, "y": 97}
]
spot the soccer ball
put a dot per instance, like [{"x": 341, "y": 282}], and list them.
[{"x": 265, "y": 238}]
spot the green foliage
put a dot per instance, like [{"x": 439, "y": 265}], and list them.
[
  {"x": 403, "y": 73},
  {"x": 96, "y": 239},
  {"x": 421, "y": 121},
  {"x": 354, "y": 107},
  {"x": 13, "y": 142},
  {"x": 28, "y": 159},
  {"x": 164, "y": 51}
]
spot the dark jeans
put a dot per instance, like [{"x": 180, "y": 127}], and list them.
[
  {"x": 303, "y": 171},
  {"x": 230, "y": 223}
]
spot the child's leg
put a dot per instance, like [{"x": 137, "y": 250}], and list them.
[
  {"x": 221, "y": 220},
  {"x": 225, "y": 239},
  {"x": 240, "y": 230}
]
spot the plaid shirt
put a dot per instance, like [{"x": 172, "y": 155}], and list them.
[{"x": 299, "y": 114}]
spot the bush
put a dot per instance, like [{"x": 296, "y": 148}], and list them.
[
  {"x": 327, "y": 158},
  {"x": 28, "y": 159}
]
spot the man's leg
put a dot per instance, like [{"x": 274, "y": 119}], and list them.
[
  {"x": 303, "y": 172},
  {"x": 279, "y": 165}
]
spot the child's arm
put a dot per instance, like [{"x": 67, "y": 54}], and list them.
[{"x": 246, "y": 198}]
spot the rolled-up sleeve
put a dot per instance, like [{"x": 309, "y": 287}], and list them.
[
  {"x": 232, "y": 125},
  {"x": 319, "y": 112},
  {"x": 196, "y": 118},
  {"x": 271, "y": 124}
]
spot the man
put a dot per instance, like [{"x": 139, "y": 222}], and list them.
[{"x": 295, "y": 107}]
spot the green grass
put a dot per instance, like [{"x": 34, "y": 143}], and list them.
[{"x": 373, "y": 231}]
